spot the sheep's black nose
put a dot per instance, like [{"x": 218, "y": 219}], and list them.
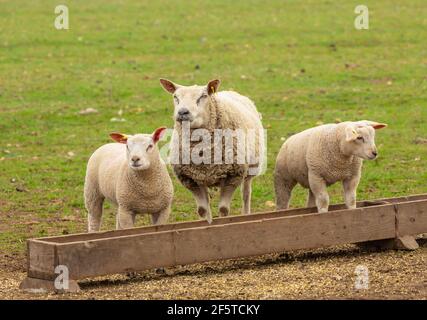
[
  {"x": 183, "y": 112},
  {"x": 135, "y": 159},
  {"x": 375, "y": 153}
]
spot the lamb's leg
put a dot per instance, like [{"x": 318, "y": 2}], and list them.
[
  {"x": 161, "y": 217},
  {"x": 283, "y": 189},
  {"x": 226, "y": 195},
  {"x": 125, "y": 218},
  {"x": 319, "y": 188},
  {"x": 246, "y": 194},
  {"x": 350, "y": 187},
  {"x": 311, "y": 201},
  {"x": 201, "y": 194},
  {"x": 94, "y": 205}
]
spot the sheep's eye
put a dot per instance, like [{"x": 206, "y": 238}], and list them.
[
  {"x": 176, "y": 99},
  {"x": 360, "y": 138},
  {"x": 202, "y": 97},
  {"x": 149, "y": 147}
]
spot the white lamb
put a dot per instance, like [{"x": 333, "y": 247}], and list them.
[
  {"x": 132, "y": 176},
  {"x": 206, "y": 113},
  {"x": 318, "y": 157}
]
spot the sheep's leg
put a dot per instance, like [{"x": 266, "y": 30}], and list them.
[
  {"x": 246, "y": 194},
  {"x": 94, "y": 208},
  {"x": 125, "y": 219},
  {"x": 319, "y": 188},
  {"x": 201, "y": 194},
  {"x": 226, "y": 195},
  {"x": 350, "y": 187},
  {"x": 283, "y": 189},
  {"x": 161, "y": 217},
  {"x": 311, "y": 201}
]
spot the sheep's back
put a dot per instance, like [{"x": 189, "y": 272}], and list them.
[{"x": 104, "y": 168}]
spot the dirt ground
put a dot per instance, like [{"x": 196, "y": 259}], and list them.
[{"x": 315, "y": 274}]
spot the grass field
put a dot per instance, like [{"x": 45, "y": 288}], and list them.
[{"x": 302, "y": 62}]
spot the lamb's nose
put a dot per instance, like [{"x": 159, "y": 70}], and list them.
[
  {"x": 183, "y": 112},
  {"x": 374, "y": 153},
  {"x": 135, "y": 158}
]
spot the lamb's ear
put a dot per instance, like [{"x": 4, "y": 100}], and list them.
[
  {"x": 169, "y": 86},
  {"x": 158, "y": 134},
  {"x": 373, "y": 124},
  {"x": 213, "y": 86},
  {"x": 119, "y": 137},
  {"x": 377, "y": 125},
  {"x": 350, "y": 133}
]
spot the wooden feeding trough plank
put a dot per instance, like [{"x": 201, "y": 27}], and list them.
[
  {"x": 138, "y": 249},
  {"x": 220, "y": 220},
  {"x": 411, "y": 218},
  {"x": 177, "y": 247}
]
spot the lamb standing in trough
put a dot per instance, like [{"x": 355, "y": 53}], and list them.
[
  {"x": 202, "y": 107},
  {"x": 131, "y": 175},
  {"x": 318, "y": 157}
]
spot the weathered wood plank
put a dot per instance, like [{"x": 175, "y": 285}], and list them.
[
  {"x": 36, "y": 285},
  {"x": 218, "y": 221},
  {"x": 41, "y": 259},
  {"x": 411, "y": 218},
  {"x": 241, "y": 239}
]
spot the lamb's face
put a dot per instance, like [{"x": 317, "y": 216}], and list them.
[
  {"x": 191, "y": 103},
  {"x": 360, "y": 137},
  {"x": 139, "y": 149}
]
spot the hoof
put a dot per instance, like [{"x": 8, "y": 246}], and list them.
[
  {"x": 224, "y": 211},
  {"x": 202, "y": 211}
]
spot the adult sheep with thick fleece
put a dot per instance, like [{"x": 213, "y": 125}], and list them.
[
  {"x": 202, "y": 111},
  {"x": 319, "y": 157},
  {"x": 132, "y": 176}
]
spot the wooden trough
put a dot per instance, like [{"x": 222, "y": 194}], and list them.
[{"x": 391, "y": 223}]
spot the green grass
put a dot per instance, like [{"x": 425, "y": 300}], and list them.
[{"x": 289, "y": 56}]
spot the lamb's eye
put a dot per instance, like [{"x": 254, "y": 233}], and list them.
[
  {"x": 360, "y": 138},
  {"x": 149, "y": 147},
  {"x": 176, "y": 99},
  {"x": 200, "y": 99}
]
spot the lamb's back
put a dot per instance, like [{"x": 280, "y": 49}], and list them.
[{"x": 104, "y": 168}]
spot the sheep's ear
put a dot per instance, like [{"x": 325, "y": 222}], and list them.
[
  {"x": 377, "y": 125},
  {"x": 213, "y": 86},
  {"x": 158, "y": 134},
  {"x": 169, "y": 86},
  {"x": 119, "y": 137},
  {"x": 350, "y": 133},
  {"x": 373, "y": 124}
]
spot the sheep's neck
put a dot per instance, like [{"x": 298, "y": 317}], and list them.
[
  {"x": 338, "y": 153},
  {"x": 215, "y": 114}
]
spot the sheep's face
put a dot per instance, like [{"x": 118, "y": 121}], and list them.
[
  {"x": 138, "y": 150},
  {"x": 141, "y": 149},
  {"x": 191, "y": 103},
  {"x": 360, "y": 139}
]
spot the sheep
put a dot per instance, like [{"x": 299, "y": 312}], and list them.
[
  {"x": 132, "y": 176},
  {"x": 319, "y": 157},
  {"x": 201, "y": 111}
]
